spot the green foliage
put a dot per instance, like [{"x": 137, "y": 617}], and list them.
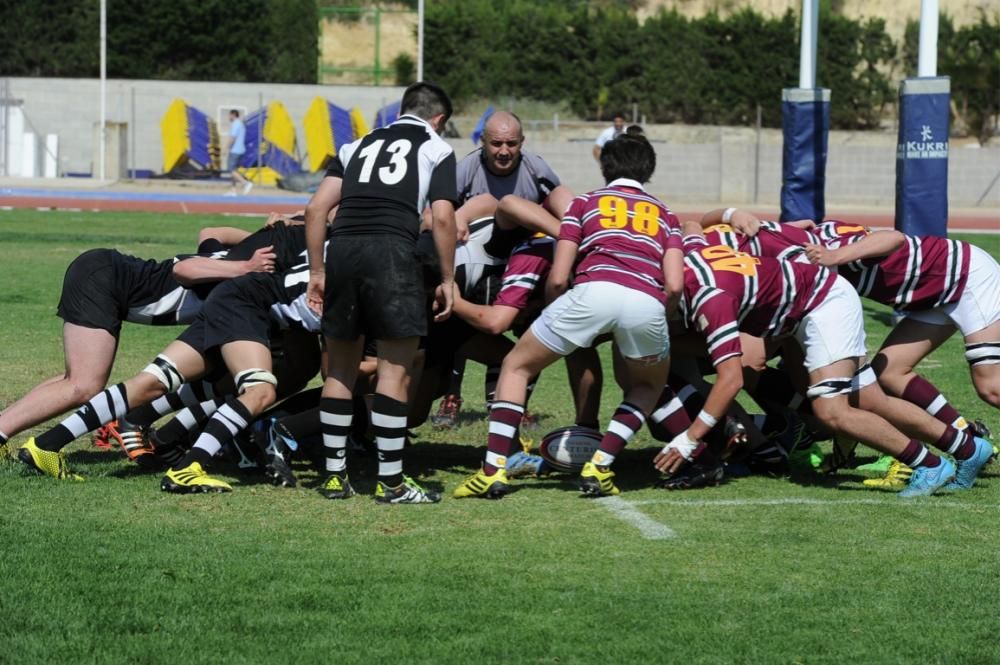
[
  {"x": 599, "y": 58},
  {"x": 970, "y": 55},
  {"x": 201, "y": 40},
  {"x": 405, "y": 70}
]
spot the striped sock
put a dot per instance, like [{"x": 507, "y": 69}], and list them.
[
  {"x": 669, "y": 418},
  {"x": 958, "y": 443},
  {"x": 505, "y": 418},
  {"x": 3, "y": 438},
  {"x": 922, "y": 392},
  {"x": 335, "y": 417},
  {"x": 189, "y": 419},
  {"x": 916, "y": 454},
  {"x": 389, "y": 423},
  {"x": 231, "y": 419},
  {"x": 100, "y": 410},
  {"x": 628, "y": 420}
]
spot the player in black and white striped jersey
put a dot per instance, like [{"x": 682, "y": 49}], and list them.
[
  {"x": 101, "y": 289},
  {"x": 369, "y": 283},
  {"x": 234, "y": 322}
]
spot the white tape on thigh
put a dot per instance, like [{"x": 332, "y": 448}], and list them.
[
  {"x": 984, "y": 353},
  {"x": 166, "y": 372},
  {"x": 253, "y": 377},
  {"x": 863, "y": 378},
  {"x": 831, "y": 387}
]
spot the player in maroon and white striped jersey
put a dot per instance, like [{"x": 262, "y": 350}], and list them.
[
  {"x": 726, "y": 292},
  {"x": 941, "y": 285},
  {"x": 629, "y": 269}
]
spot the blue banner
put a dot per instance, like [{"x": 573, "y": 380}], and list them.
[
  {"x": 922, "y": 157},
  {"x": 805, "y": 124}
]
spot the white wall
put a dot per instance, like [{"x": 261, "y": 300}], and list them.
[{"x": 695, "y": 164}]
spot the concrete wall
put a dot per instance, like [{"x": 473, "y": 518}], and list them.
[
  {"x": 698, "y": 164},
  {"x": 71, "y": 109}
]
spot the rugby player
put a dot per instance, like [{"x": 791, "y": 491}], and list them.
[
  {"x": 630, "y": 267},
  {"x": 371, "y": 285}
]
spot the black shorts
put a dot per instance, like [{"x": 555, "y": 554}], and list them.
[
  {"x": 89, "y": 296},
  {"x": 237, "y": 311},
  {"x": 374, "y": 287}
]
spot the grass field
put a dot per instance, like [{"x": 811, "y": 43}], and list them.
[{"x": 804, "y": 570}]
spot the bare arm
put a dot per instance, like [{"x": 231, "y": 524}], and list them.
[
  {"x": 200, "y": 269},
  {"x": 742, "y": 221},
  {"x": 558, "y": 200},
  {"x": 562, "y": 269},
  {"x": 596, "y": 151},
  {"x": 443, "y": 229},
  {"x": 490, "y": 319},
  {"x": 226, "y": 235},
  {"x": 326, "y": 197},
  {"x": 515, "y": 211},
  {"x": 881, "y": 243},
  {"x": 673, "y": 278}
]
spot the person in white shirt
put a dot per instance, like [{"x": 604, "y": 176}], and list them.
[{"x": 612, "y": 132}]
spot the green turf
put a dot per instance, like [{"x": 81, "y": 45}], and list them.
[{"x": 808, "y": 570}]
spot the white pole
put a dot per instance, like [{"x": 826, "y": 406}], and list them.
[
  {"x": 807, "y": 55},
  {"x": 927, "y": 59},
  {"x": 104, "y": 74},
  {"x": 420, "y": 40}
]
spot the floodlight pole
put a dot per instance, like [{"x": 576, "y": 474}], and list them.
[
  {"x": 927, "y": 58},
  {"x": 807, "y": 55},
  {"x": 420, "y": 40},
  {"x": 104, "y": 73}
]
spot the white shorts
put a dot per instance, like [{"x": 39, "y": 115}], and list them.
[
  {"x": 574, "y": 319},
  {"x": 835, "y": 330},
  {"x": 978, "y": 307}
]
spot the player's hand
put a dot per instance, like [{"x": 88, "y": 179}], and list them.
[
  {"x": 315, "y": 291},
  {"x": 461, "y": 230},
  {"x": 262, "y": 260},
  {"x": 274, "y": 218},
  {"x": 674, "y": 454},
  {"x": 820, "y": 255},
  {"x": 444, "y": 300},
  {"x": 745, "y": 223},
  {"x": 807, "y": 224}
]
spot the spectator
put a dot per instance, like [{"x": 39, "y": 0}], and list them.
[
  {"x": 612, "y": 132},
  {"x": 237, "y": 148}
]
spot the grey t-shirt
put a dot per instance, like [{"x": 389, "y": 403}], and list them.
[{"x": 533, "y": 179}]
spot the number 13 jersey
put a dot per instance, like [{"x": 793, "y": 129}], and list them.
[
  {"x": 390, "y": 176},
  {"x": 623, "y": 233}
]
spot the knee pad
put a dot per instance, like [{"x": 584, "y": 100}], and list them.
[
  {"x": 983, "y": 353},
  {"x": 253, "y": 377},
  {"x": 166, "y": 372},
  {"x": 841, "y": 385}
]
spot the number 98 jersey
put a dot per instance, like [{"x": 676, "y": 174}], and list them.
[
  {"x": 389, "y": 177},
  {"x": 623, "y": 233}
]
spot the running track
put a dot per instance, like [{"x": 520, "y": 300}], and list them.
[{"x": 183, "y": 202}]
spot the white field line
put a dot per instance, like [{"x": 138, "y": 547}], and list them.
[
  {"x": 740, "y": 503},
  {"x": 628, "y": 513}
]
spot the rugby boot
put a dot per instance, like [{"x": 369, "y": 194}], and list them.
[
  {"x": 895, "y": 477},
  {"x": 337, "y": 486},
  {"x": 693, "y": 476},
  {"x": 927, "y": 480},
  {"x": 597, "y": 482},
  {"x": 968, "y": 469},
  {"x": 479, "y": 484},
  {"x": 447, "y": 415},
  {"x": 192, "y": 479},
  {"x": 46, "y": 461},
  {"x": 406, "y": 492}
]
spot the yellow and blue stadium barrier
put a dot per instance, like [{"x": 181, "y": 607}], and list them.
[
  {"x": 190, "y": 138},
  {"x": 386, "y": 115},
  {"x": 273, "y": 157},
  {"x": 327, "y": 128}
]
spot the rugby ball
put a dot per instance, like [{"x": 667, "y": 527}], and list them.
[{"x": 569, "y": 448}]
